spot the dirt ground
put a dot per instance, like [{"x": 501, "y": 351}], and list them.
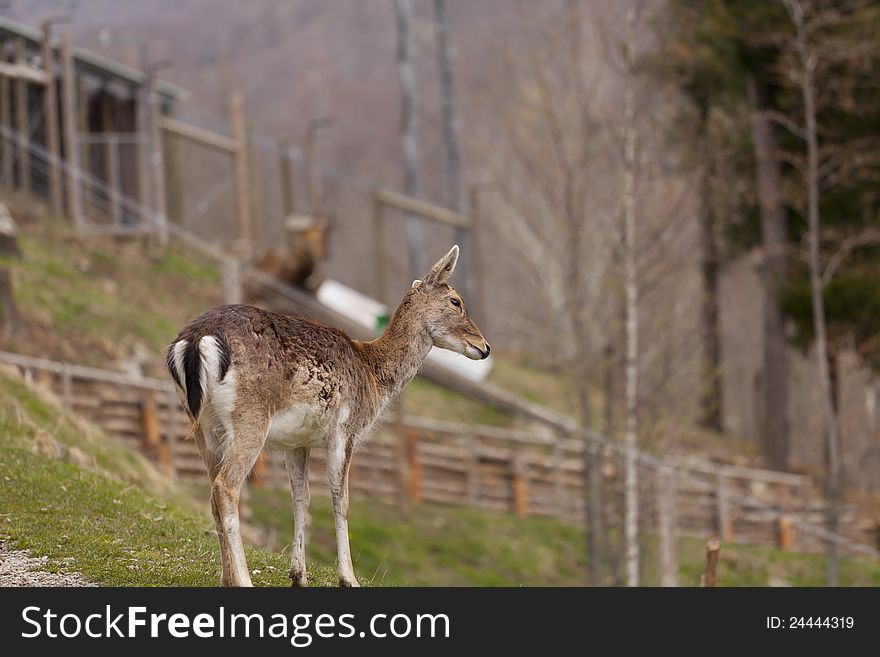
[{"x": 19, "y": 569}]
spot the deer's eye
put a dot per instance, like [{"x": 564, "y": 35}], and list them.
[{"x": 455, "y": 302}]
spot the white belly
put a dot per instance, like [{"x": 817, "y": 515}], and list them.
[{"x": 294, "y": 427}]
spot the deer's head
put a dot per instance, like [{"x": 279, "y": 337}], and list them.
[{"x": 444, "y": 312}]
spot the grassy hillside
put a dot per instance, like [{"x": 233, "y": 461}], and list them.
[
  {"x": 98, "y": 300},
  {"x": 95, "y": 300},
  {"x": 96, "y": 507}
]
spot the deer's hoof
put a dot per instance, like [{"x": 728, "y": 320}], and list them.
[
  {"x": 347, "y": 582},
  {"x": 298, "y": 580}
]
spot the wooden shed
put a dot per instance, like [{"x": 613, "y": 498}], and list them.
[{"x": 103, "y": 112}]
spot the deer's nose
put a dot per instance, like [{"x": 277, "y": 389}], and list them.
[{"x": 486, "y": 353}]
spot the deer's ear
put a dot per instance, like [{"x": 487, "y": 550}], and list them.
[{"x": 441, "y": 272}]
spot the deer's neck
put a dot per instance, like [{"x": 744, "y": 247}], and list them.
[{"x": 395, "y": 357}]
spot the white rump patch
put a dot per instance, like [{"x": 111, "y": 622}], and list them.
[
  {"x": 218, "y": 397},
  {"x": 209, "y": 350},
  {"x": 179, "y": 348}
]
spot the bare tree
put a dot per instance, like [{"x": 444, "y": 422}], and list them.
[
  {"x": 826, "y": 56},
  {"x": 774, "y": 425},
  {"x": 455, "y": 196},
  {"x": 403, "y": 14},
  {"x": 712, "y": 394},
  {"x": 551, "y": 148},
  {"x": 576, "y": 177},
  {"x": 631, "y": 306},
  {"x": 455, "y": 189},
  {"x": 808, "y": 59}
]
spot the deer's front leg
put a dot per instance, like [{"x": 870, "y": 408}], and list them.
[
  {"x": 298, "y": 472},
  {"x": 338, "y": 462}
]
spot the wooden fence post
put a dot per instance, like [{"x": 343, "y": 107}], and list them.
[
  {"x": 43, "y": 378},
  {"x": 154, "y": 446},
  {"x": 713, "y": 547},
  {"x": 256, "y": 234},
  {"x": 230, "y": 275},
  {"x": 150, "y": 422},
  {"x": 6, "y": 121},
  {"x": 415, "y": 466},
  {"x": 784, "y": 533},
  {"x": 378, "y": 251},
  {"x": 722, "y": 501},
  {"x": 473, "y": 470},
  {"x": 111, "y": 157},
  {"x": 152, "y": 183},
  {"x": 288, "y": 184},
  {"x": 84, "y": 154},
  {"x": 667, "y": 525},
  {"x": 66, "y": 386},
  {"x": 520, "y": 485},
  {"x": 172, "y": 403},
  {"x": 558, "y": 483},
  {"x": 22, "y": 120},
  {"x": 402, "y": 455},
  {"x": 242, "y": 175},
  {"x": 69, "y": 123},
  {"x": 50, "y": 111}
]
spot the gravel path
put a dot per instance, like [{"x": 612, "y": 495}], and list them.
[{"x": 19, "y": 569}]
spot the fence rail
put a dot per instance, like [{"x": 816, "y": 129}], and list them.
[{"x": 415, "y": 459}]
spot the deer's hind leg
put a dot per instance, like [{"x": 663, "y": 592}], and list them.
[
  {"x": 298, "y": 471},
  {"x": 338, "y": 464},
  {"x": 247, "y": 440},
  {"x": 203, "y": 436}
]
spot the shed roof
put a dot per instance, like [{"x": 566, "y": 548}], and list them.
[{"x": 86, "y": 59}]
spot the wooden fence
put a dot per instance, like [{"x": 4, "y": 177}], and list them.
[{"x": 414, "y": 459}]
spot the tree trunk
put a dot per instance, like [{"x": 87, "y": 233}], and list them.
[
  {"x": 403, "y": 14},
  {"x": 455, "y": 189},
  {"x": 711, "y": 399},
  {"x": 455, "y": 196},
  {"x": 631, "y": 472},
  {"x": 593, "y": 519},
  {"x": 774, "y": 432},
  {"x": 808, "y": 61}
]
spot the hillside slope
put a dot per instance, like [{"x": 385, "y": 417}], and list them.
[
  {"x": 90, "y": 505},
  {"x": 429, "y": 545},
  {"x": 94, "y": 506},
  {"x": 100, "y": 300}
]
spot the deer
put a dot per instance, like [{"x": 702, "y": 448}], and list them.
[{"x": 248, "y": 378}]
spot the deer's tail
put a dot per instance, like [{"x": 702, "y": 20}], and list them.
[{"x": 194, "y": 364}]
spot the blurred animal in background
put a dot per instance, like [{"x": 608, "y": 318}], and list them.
[{"x": 296, "y": 262}]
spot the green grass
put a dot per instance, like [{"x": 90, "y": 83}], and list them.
[
  {"x": 93, "y": 505},
  {"x": 431, "y": 545},
  {"x": 97, "y": 299},
  {"x": 435, "y": 546},
  {"x": 99, "y": 519},
  {"x": 538, "y": 385},
  {"x": 422, "y": 397}
]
